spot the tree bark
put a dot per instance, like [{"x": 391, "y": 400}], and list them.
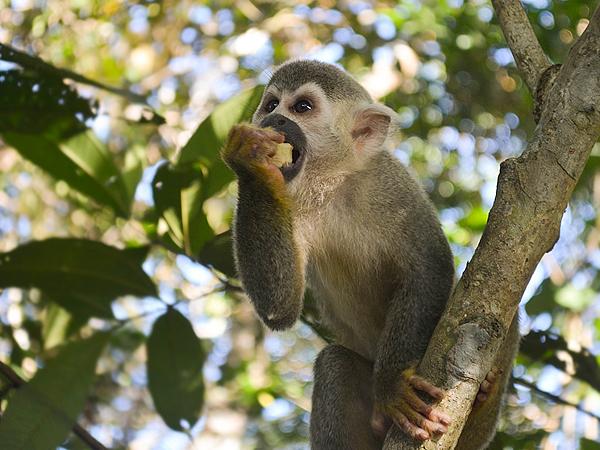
[{"x": 524, "y": 223}]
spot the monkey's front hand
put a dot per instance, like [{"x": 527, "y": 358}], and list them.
[
  {"x": 249, "y": 151},
  {"x": 408, "y": 411}
]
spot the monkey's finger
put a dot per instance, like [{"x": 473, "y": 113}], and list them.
[
  {"x": 441, "y": 417},
  {"x": 422, "y": 422},
  {"x": 492, "y": 375},
  {"x": 409, "y": 428},
  {"x": 274, "y": 135},
  {"x": 485, "y": 386},
  {"x": 425, "y": 386},
  {"x": 427, "y": 410},
  {"x": 416, "y": 402}
]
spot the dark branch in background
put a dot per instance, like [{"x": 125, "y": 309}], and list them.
[
  {"x": 16, "y": 381},
  {"x": 544, "y": 347},
  {"x": 554, "y": 398},
  {"x": 11, "y": 54},
  {"x": 529, "y": 55}
]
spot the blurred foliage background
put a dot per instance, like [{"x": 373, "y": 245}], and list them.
[{"x": 114, "y": 212}]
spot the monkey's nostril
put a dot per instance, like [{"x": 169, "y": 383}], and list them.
[{"x": 281, "y": 121}]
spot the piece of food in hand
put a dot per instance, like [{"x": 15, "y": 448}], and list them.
[{"x": 283, "y": 155}]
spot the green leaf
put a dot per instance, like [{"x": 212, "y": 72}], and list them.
[
  {"x": 206, "y": 142},
  {"x": 133, "y": 170},
  {"x": 522, "y": 441},
  {"x": 82, "y": 276},
  {"x": 543, "y": 300},
  {"x": 58, "y": 324},
  {"x": 592, "y": 167},
  {"x": 83, "y": 162},
  {"x": 475, "y": 220},
  {"x": 546, "y": 348},
  {"x": 94, "y": 159},
  {"x": 588, "y": 444},
  {"x": 574, "y": 298},
  {"x": 180, "y": 189},
  {"x": 127, "y": 339},
  {"x": 34, "y": 103},
  {"x": 178, "y": 197},
  {"x": 218, "y": 253},
  {"x": 41, "y": 413},
  {"x": 175, "y": 360}
]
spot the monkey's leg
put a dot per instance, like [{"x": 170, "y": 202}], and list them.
[
  {"x": 481, "y": 424},
  {"x": 342, "y": 402}
]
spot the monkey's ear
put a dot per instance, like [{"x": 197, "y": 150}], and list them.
[{"x": 372, "y": 126}]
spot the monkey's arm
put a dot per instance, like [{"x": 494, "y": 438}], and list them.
[
  {"x": 412, "y": 316},
  {"x": 267, "y": 255}
]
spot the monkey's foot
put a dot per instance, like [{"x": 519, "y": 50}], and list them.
[
  {"x": 487, "y": 386},
  {"x": 409, "y": 412}
]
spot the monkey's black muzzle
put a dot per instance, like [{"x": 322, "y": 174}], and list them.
[{"x": 294, "y": 136}]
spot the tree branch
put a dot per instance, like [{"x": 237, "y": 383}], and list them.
[
  {"x": 524, "y": 223},
  {"x": 527, "y": 51},
  {"x": 16, "y": 381},
  {"x": 552, "y": 397}
]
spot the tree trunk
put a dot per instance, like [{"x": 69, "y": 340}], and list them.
[{"x": 524, "y": 223}]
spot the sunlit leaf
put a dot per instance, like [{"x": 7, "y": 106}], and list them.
[
  {"x": 133, "y": 170},
  {"x": 58, "y": 324},
  {"x": 475, "y": 220},
  {"x": 574, "y": 298},
  {"x": 206, "y": 142},
  {"x": 41, "y": 413},
  {"x": 180, "y": 189},
  {"x": 175, "y": 360},
  {"x": 82, "y": 161},
  {"x": 178, "y": 196},
  {"x": 82, "y": 276}
]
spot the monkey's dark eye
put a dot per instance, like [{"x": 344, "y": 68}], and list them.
[
  {"x": 270, "y": 107},
  {"x": 302, "y": 106}
]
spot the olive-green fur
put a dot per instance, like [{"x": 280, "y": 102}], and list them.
[{"x": 357, "y": 229}]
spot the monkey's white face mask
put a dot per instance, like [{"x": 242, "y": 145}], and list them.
[{"x": 331, "y": 137}]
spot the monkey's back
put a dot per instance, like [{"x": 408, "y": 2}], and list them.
[{"x": 378, "y": 233}]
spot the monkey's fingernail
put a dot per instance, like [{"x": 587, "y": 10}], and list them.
[
  {"x": 423, "y": 435},
  {"x": 444, "y": 418}
]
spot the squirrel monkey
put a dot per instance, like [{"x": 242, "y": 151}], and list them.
[{"x": 334, "y": 211}]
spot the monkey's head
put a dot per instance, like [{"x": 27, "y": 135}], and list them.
[{"x": 330, "y": 120}]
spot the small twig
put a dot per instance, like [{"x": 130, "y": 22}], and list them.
[
  {"x": 529, "y": 55},
  {"x": 16, "y": 381},
  {"x": 8, "y": 53},
  {"x": 225, "y": 281},
  {"x": 554, "y": 398}
]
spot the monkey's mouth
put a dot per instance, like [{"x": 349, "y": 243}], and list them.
[{"x": 289, "y": 171}]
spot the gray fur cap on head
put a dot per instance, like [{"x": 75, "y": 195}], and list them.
[{"x": 336, "y": 83}]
